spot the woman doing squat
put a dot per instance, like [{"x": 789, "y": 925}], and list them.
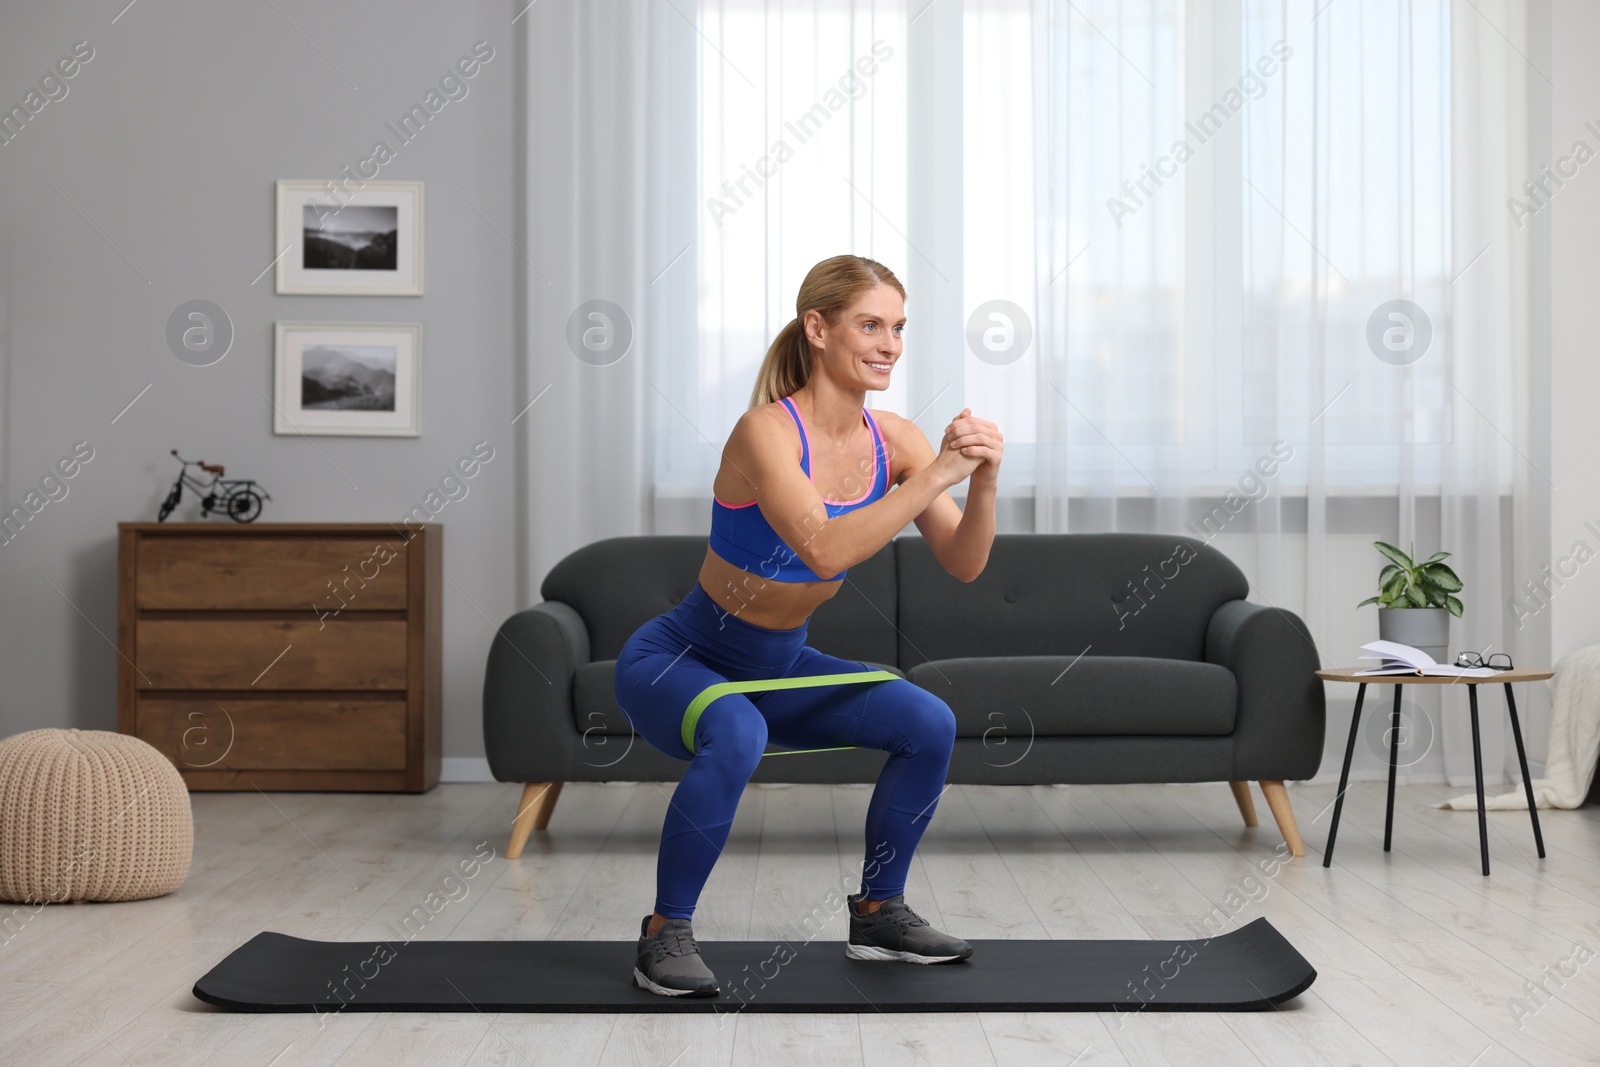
[{"x": 810, "y": 460}]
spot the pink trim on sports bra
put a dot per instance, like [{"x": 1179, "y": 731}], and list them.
[
  {"x": 872, "y": 479},
  {"x": 805, "y": 445}
]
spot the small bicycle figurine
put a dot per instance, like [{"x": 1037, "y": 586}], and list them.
[{"x": 241, "y": 500}]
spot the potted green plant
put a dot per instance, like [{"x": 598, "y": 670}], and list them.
[{"x": 1416, "y": 601}]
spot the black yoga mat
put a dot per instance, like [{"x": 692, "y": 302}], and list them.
[{"x": 1249, "y": 969}]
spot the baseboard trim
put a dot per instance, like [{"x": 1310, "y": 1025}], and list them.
[{"x": 465, "y": 769}]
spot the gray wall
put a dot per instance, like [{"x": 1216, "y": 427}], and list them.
[{"x": 167, "y": 145}]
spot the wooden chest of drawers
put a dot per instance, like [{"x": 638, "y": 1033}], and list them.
[{"x": 283, "y": 655}]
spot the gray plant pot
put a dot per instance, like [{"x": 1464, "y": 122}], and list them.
[{"x": 1424, "y": 628}]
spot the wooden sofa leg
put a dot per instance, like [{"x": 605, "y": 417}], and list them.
[
  {"x": 533, "y": 813},
  {"x": 547, "y": 806},
  {"x": 1241, "y": 797},
  {"x": 1278, "y": 801}
]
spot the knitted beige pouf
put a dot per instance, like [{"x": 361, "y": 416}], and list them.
[{"x": 90, "y": 815}]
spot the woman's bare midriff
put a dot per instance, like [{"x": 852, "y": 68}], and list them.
[{"x": 759, "y": 600}]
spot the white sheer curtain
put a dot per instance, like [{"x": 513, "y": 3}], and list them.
[
  {"x": 802, "y": 151},
  {"x": 1219, "y": 313},
  {"x": 1173, "y": 340},
  {"x": 606, "y": 255},
  {"x": 1228, "y": 195}
]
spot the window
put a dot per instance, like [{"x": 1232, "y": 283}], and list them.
[{"x": 1188, "y": 305}]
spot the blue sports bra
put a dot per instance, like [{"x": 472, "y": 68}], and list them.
[{"x": 741, "y": 535}]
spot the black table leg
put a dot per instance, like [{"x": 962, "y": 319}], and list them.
[
  {"x": 1522, "y": 759},
  {"x": 1344, "y": 775},
  {"x": 1477, "y": 767},
  {"x": 1394, "y": 754}
]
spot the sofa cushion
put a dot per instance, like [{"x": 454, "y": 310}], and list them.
[
  {"x": 594, "y": 700},
  {"x": 1001, "y": 698},
  {"x": 618, "y": 584},
  {"x": 1113, "y": 594}
]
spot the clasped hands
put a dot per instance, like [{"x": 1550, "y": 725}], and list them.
[{"x": 971, "y": 448}]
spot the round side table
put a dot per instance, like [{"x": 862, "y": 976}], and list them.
[{"x": 1506, "y": 678}]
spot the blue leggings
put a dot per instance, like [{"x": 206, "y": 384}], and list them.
[{"x": 672, "y": 658}]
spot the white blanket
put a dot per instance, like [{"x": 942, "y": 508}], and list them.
[{"x": 1574, "y": 741}]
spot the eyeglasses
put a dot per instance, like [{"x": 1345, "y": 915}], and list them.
[{"x": 1500, "y": 661}]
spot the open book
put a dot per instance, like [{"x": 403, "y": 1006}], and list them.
[{"x": 1403, "y": 659}]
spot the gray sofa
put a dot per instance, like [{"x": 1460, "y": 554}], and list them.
[{"x": 1073, "y": 658}]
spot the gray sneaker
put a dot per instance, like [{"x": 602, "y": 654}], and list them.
[
  {"x": 895, "y": 932},
  {"x": 669, "y": 963}
]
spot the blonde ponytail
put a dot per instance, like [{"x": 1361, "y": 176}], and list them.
[{"x": 829, "y": 288}]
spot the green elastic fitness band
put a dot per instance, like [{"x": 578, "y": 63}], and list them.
[{"x": 692, "y": 715}]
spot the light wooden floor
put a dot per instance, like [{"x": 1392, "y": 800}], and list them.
[{"x": 1420, "y": 958}]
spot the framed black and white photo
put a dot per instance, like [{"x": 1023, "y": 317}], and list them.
[
  {"x": 334, "y": 238},
  {"x": 354, "y": 378}
]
